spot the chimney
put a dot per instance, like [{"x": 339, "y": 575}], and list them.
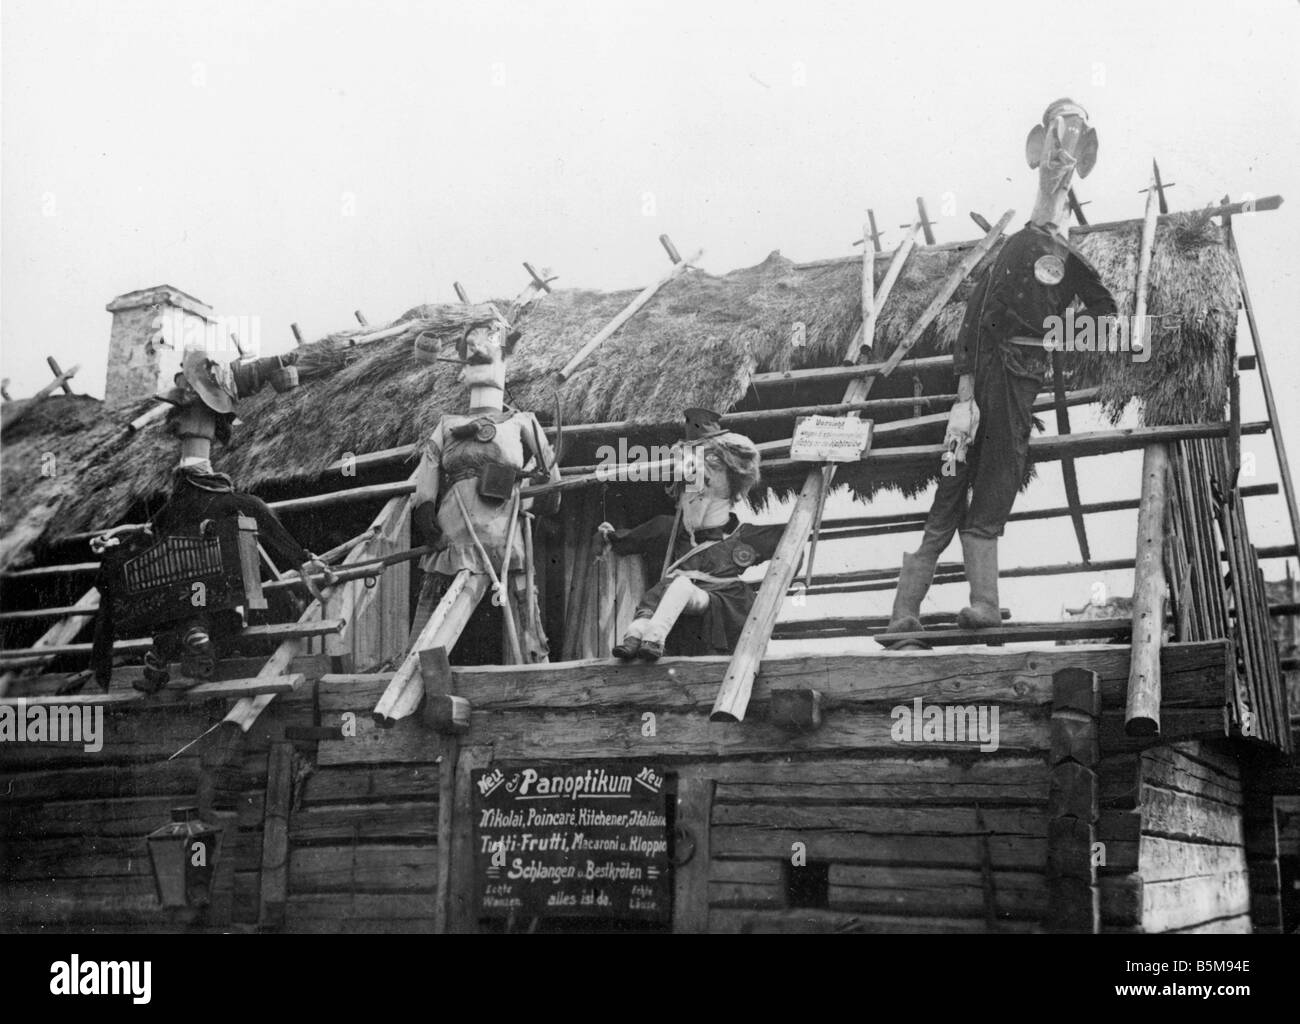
[{"x": 151, "y": 329}]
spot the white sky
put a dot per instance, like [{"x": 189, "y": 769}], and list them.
[{"x": 295, "y": 161}]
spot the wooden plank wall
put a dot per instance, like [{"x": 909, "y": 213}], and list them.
[
  {"x": 73, "y": 823},
  {"x": 1173, "y": 825}
]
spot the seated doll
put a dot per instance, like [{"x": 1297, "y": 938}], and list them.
[{"x": 700, "y": 604}]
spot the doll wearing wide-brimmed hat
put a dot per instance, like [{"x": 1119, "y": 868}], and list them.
[
  {"x": 203, "y": 400},
  {"x": 700, "y": 604}
]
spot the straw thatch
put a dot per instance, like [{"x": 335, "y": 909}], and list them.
[{"x": 696, "y": 344}]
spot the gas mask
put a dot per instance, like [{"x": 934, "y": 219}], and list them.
[
  {"x": 1061, "y": 145},
  {"x": 483, "y": 349}
]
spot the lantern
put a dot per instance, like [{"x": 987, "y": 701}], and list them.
[{"x": 183, "y": 853}]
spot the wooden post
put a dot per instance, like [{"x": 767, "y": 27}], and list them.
[
  {"x": 361, "y": 318},
  {"x": 1159, "y": 187},
  {"x": 461, "y": 912},
  {"x": 1072, "y": 803},
  {"x": 275, "y": 836},
  {"x": 691, "y": 879},
  {"x": 866, "y": 336},
  {"x": 632, "y": 307},
  {"x": 875, "y": 234},
  {"x": 1139, "y": 338},
  {"x": 927, "y": 225},
  {"x": 297, "y": 334},
  {"x": 1076, "y": 208},
  {"x": 460, "y": 292},
  {"x": 1142, "y": 717}
]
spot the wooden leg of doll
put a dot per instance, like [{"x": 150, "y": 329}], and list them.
[
  {"x": 532, "y": 635},
  {"x": 681, "y": 598}
]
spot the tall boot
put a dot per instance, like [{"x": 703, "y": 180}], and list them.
[
  {"x": 981, "y": 557},
  {"x": 913, "y": 584}
]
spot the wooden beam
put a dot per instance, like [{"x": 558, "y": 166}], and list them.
[
  {"x": 275, "y": 631},
  {"x": 402, "y": 696},
  {"x": 630, "y": 311},
  {"x": 1142, "y": 717},
  {"x": 59, "y": 633},
  {"x": 1022, "y": 632},
  {"x": 212, "y": 690}
]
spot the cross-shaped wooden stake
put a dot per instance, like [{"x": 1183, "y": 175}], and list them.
[
  {"x": 926, "y": 223},
  {"x": 1160, "y": 187},
  {"x": 60, "y": 378},
  {"x": 874, "y": 234},
  {"x": 1076, "y": 207},
  {"x": 542, "y": 283}
]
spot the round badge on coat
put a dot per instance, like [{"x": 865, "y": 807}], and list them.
[
  {"x": 1049, "y": 269},
  {"x": 485, "y": 432},
  {"x": 743, "y": 555}
]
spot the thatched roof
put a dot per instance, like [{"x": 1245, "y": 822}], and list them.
[{"x": 697, "y": 343}]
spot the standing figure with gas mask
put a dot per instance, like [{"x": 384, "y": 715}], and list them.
[
  {"x": 1002, "y": 361},
  {"x": 467, "y": 500},
  {"x": 700, "y": 604}
]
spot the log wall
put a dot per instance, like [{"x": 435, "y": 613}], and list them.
[
  {"x": 333, "y": 824},
  {"x": 1174, "y": 827},
  {"x": 73, "y": 855}
]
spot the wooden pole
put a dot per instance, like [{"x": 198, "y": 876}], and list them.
[
  {"x": 926, "y": 224},
  {"x": 733, "y": 697},
  {"x": 865, "y": 337},
  {"x": 1142, "y": 715},
  {"x": 959, "y": 274},
  {"x": 1139, "y": 333},
  {"x": 608, "y": 330},
  {"x": 1270, "y": 402}
]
